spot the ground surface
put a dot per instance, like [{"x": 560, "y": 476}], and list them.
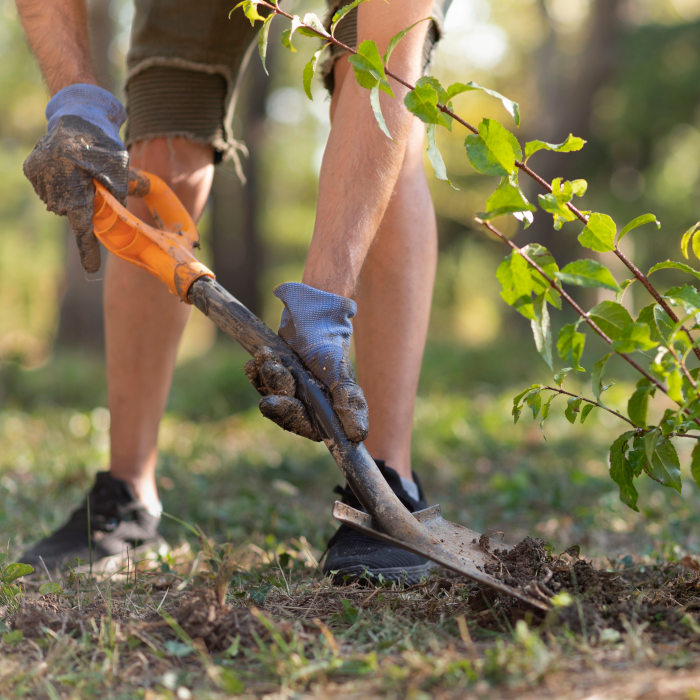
[{"x": 242, "y": 608}]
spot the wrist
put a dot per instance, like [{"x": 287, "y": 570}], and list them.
[{"x": 90, "y": 102}]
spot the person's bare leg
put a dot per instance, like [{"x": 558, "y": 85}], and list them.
[
  {"x": 144, "y": 323},
  {"x": 394, "y": 297}
]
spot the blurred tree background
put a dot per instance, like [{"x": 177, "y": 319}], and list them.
[{"x": 623, "y": 74}]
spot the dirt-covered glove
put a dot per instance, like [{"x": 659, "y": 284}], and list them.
[
  {"x": 82, "y": 142},
  {"x": 317, "y": 326}
]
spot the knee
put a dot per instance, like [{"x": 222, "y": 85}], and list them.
[{"x": 187, "y": 167}]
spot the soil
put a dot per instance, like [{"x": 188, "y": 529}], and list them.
[
  {"x": 217, "y": 624},
  {"x": 656, "y": 606},
  {"x": 599, "y": 599}
]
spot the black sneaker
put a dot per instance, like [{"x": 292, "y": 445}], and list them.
[
  {"x": 353, "y": 555},
  {"x": 119, "y": 530}
]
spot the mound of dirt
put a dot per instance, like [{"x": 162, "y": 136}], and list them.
[
  {"x": 49, "y": 612},
  {"x": 665, "y": 596},
  {"x": 203, "y": 617}
]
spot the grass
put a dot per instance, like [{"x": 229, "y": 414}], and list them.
[{"x": 241, "y": 608}]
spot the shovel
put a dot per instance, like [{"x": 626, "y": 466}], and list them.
[{"x": 166, "y": 252}]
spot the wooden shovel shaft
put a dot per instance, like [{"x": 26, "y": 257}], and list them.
[{"x": 360, "y": 470}]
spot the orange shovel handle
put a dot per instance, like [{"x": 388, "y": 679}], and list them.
[{"x": 166, "y": 251}]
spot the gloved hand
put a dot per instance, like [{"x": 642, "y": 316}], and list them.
[
  {"x": 82, "y": 142},
  {"x": 317, "y": 326}
]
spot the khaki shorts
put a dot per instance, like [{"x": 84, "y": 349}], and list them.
[{"x": 184, "y": 63}]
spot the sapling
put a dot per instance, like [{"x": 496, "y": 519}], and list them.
[{"x": 660, "y": 342}]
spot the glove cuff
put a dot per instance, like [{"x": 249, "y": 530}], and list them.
[
  {"x": 308, "y": 304},
  {"x": 317, "y": 325},
  {"x": 90, "y": 102}
]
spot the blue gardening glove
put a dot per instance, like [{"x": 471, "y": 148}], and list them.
[
  {"x": 82, "y": 142},
  {"x": 317, "y": 326}
]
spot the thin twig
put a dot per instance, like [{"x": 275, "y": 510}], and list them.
[{"x": 559, "y": 390}]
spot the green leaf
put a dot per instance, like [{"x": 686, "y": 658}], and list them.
[
  {"x": 695, "y": 463},
  {"x": 519, "y": 281},
  {"x": 664, "y": 324},
  {"x": 286, "y": 40},
  {"x": 543, "y": 258},
  {"x": 263, "y": 41},
  {"x": 637, "y": 457},
  {"x": 599, "y": 233},
  {"x": 250, "y": 10},
  {"x": 435, "y": 157},
  {"x": 637, "y": 222},
  {"x": 50, "y": 588},
  {"x": 534, "y": 401},
  {"x": 689, "y": 238},
  {"x": 510, "y": 106},
  {"x": 342, "y": 12},
  {"x": 570, "y": 344},
  {"x": 649, "y": 442},
  {"x": 312, "y": 26},
  {"x": 423, "y": 102},
  {"x": 686, "y": 296},
  {"x": 612, "y": 318},
  {"x": 288, "y": 34},
  {"x": 588, "y": 273},
  {"x": 572, "y": 143},
  {"x": 14, "y": 571},
  {"x": 556, "y": 201},
  {"x": 621, "y": 471},
  {"x": 561, "y": 375},
  {"x": 507, "y": 199},
  {"x": 634, "y": 337},
  {"x": 585, "y": 411},
  {"x": 674, "y": 385},
  {"x": 638, "y": 403},
  {"x": 544, "y": 413},
  {"x": 309, "y": 71},
  {"x": 368, "y": 67},
  {"x": 516, "y": 284},
  {"x": 646, "y": 316},
  {"x": 494, "y": 150},
  {"x": 522, "y": 397},
  {"x": 573, "y": 406},
  {"x": 377, "y": 109},
  {"x": 664, "y": 466},
  {"x": 481, "y": 159},
  {"x": 397, "y": 38},
  {"x": 542, "y": 330},
  {"x": 501, "y": 142},
  {"x": 597, "y": 376},
  {"x": 673, "y": 265}
]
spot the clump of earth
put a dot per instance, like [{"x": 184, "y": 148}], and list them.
[{"x": 589, "y": 600}]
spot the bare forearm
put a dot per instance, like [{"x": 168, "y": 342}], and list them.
[
  {"x": 360, "y": 165},
  {"x": 58, "y": 35}
]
